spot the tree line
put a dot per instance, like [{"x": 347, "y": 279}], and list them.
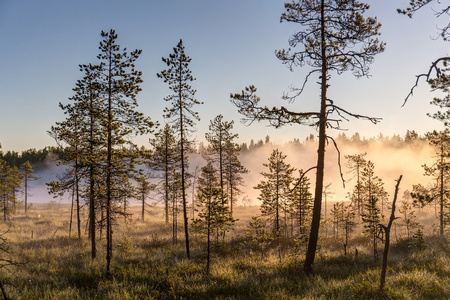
[{"x": 14, "y": 180}]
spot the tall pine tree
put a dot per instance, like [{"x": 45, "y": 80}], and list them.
[
  {"x": 334, "y": 36},
  {"x": 178, "y": 76}
]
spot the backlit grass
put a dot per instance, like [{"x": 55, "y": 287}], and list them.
[{"x": 146, "y": 265}]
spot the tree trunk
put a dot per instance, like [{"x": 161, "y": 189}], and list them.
[
  {"x": 26, "y": 191},
  {"x": 77, "y": 194},
  {"x": 315, "y": 223},
  {"x": 108, "y": 173},
  {"x": 92, "y": 184},
  {"x": 387, "y": 235},
  {"x": 166, "y": 173},
  {"x": 92, "y": 214},
  {"x": 71, "y": 213},
  {"x": 183, "y": 175},
  {"x": 143, "y": 206},
  {"x": 208, "y": 246},
  {"x": 441, "y": 195}
]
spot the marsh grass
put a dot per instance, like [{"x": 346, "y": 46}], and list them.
[{"x": 146, "y": 265}]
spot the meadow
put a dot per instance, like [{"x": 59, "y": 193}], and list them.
[{"x": 147, "y": 265}]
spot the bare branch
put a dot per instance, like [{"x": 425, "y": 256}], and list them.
[
  {"x": 297, "y": 91},
  {"x": 340, "y": 111},
  {"x": 247, "y": 103},
  {"x": 339, "y": 159},
  {"x": 301, "y": 177},
  {"x": 433, "y": 67}
]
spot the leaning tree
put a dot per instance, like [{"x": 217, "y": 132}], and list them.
[{"x": 334, "y": 37}]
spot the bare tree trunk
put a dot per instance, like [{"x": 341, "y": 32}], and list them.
[{"x": 387, "y": 231}]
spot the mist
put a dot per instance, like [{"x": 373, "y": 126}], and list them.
[{"x": 391, "y": 159}]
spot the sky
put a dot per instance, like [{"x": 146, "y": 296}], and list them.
[{"x": 231, "y": 44}]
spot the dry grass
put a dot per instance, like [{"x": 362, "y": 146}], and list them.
[{"x": 147, "y": 265}]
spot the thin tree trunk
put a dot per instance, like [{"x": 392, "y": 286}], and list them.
[
  {"x": 208, "y": 247},
  {"x": 125, "y": 209},
  {"x": 71, "y": 213},
  {"x": 92, "y": 213},
  {"x": 26, "y": 192},
  {"x": 77, "y": 194},
  {"x": 92, "y": 184},
  {"x": 143, "y": 206},
  {"x": 108, "y": 173},
  {"x": 166, "y": 187},
  {"x": 183, "y": 175},
  {"x": 193, "y": 193},
  {"x": 441, "y": 195},
  {"x": 5, "y": 209},
  {"x": 387, "y": 231}
]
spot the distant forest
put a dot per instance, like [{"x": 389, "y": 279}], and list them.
[{"x": 52, "y": 153}]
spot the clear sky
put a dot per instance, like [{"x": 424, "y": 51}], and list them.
[{"x": 231, "y": 44}]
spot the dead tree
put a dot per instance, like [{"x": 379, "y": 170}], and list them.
[{"x": 387, "y": 231}]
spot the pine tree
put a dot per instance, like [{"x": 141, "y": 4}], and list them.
[
  {"x": 27, "y": 173},
  {"x": 373, "y": 195},
  {"x": 15, "y": 183},
  {"x": 213, "y": 215},
  {"x": 256, "y": 233},
  {"x": 220, "y": 136},
  {"x": 347, "y": 224},
  {"x": 334, "y": 37},
  {"x": 69, "y": 132},
  {"x": 119, "y": 84},
  {"x": 337, "y": 214},
  {"x": 440, "y": 172},
  {"x": 355, "y": 164},
  {"x": 301, "y": 203},
  {"x": 408, "y": 216},
  {"x": 233, "y": 172},
  {"x": 224, "y": 151},
  {"x": 178, "y": 76},
  {"x": 88, "y": 100},
  {"x": 80, "y": 137},
  {"x": 6, "y": 189},
  {"x": 143, "y": 189},
  {"x": 274, "y": 191},
  {"x": 164, "y": 159},
  {"x": 175, "y": 191}
]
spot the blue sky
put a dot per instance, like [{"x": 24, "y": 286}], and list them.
[{"x": 231, "y": 44}]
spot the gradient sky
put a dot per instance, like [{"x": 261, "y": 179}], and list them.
[{"x": 231, "y": 44}]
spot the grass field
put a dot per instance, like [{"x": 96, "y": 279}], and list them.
[{"x": 146, "y": 264}]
